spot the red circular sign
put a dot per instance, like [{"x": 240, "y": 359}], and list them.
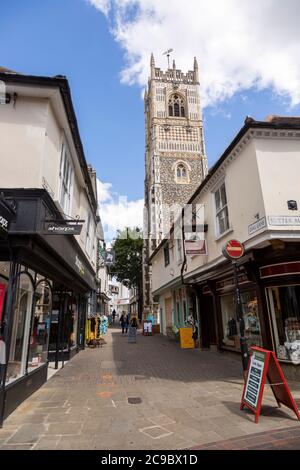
[{"x": 233, "y": 249}]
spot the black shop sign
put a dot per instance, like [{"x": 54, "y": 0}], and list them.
[{"x": 6, "y": 216}]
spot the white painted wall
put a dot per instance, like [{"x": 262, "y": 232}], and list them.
[
  {"x": 260, "y": 180},
  {"x": 31, "y": 136}
]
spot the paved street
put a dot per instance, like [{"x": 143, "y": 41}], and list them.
[{"x": 148, "y": 395}]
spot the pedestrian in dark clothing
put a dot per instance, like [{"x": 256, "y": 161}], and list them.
[
  {"x": 113, "y": 315},
  {"x": 124, "y": 320}
]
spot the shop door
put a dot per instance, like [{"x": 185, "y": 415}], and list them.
[
  {"x": 207, "y": 322},
  {"x": 168, "y": 311}
]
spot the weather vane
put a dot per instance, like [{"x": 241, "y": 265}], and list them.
[{"x": 167, "y": 53}]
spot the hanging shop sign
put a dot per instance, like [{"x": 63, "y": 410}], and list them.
[
  {"x": 62, "y": 228},
  {"x": 263, "y": 365},
  {"x": 233, "y": 250},
  {"x": 195, "y": 247},
  {"x": 6, "y": 217},
  {"x": 109, "y": 258}
]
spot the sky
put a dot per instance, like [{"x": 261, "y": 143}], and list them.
[{"x": 248, "y": 53}]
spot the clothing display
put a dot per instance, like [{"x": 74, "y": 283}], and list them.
[
  {"x": 232, "y": 328},
  {"x": 103, "y": 325}
]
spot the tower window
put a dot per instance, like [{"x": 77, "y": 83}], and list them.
[
  {"x": 176, "y": 106},
  {"x": 181, "y": 173}
]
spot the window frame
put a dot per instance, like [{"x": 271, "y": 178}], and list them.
[
  {"x": 167, "y": 255},
  {"x": 221, "y": 208},
  {"x": 88, "y": 238},
  {"x": 179, "y": 102},
  {"x": 183, "y": 168},
  {"x": 66, "y": 184}
]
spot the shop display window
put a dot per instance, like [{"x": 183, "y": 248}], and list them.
[
  {"x": 231, "y": 326},
  {"x": 4, "y": 277},
  {"x": 40, "y": 326},
  {"x": 20, "y": 331},
  {"x": 72, "y": 316},
  {"x": 284, "y": 304},
  {"x": 66, "y": 303}
]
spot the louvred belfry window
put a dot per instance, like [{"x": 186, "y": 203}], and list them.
[{"x": 176, "y": 106}]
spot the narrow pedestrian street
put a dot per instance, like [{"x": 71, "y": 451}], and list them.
[{"x": 147, "y": 395}]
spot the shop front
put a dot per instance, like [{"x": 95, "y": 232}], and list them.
[
  {"x": 270, "y": 297},
  {"x": 45, "y": 283},
  {"x": 282, "y": 291}
]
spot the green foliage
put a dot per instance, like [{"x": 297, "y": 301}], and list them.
[{"x": 128, "y": 248}]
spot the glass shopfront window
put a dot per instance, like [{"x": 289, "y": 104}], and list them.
[
  {"x": 284, "y": 306},
  {"x": 73, "y": 322},
  {"x": 231, "y": 327},
  {"x": 64, "y": 328},
  {"x": 40, "y": 326},
  {"x": 20, "y": 332},
  {"x": 4, "y": 277}
]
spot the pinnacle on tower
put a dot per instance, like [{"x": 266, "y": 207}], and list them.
[
  {"x": 152, "y": 65},
  {"x": 196, "y": 70}
]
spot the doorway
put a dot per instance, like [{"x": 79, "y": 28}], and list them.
[{"x": 207, "y": 322}]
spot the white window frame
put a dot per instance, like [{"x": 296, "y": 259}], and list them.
[
  {"x": 66, "y": 184},
  {"x": 88, "y": 238},
  {"x": 220, "y": 209}
]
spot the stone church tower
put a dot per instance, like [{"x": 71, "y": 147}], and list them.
[{"x": 175, "y": 160}]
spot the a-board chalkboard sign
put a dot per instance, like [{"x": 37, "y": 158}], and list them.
[{"x": 263, "y": 365}]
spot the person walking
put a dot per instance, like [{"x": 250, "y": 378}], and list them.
[
  {"x": 124, "y": 320},
  {"x": 113, "y": 316},
  {"x": 132, "y": 330}
]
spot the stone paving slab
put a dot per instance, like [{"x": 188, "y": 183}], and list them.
[{"x": 188, "y": 398}]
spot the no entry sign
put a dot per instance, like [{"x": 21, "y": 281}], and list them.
[{"x": 233, "y": 249}]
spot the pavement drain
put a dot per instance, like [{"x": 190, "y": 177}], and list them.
[
  {"x": 156, "y": 432},
  {"x": 134, "y": 400}
]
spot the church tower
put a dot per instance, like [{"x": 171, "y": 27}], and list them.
[{"x": 175, "y": 159}]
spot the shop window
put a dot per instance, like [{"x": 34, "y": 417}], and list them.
[
  {"x": 284, "y": 304},
  {"x": 66, "y": 175},
  {"x": 4, "y": 276},
  {"x": 40, "y": 326},
  {"x": 72, "y": 322},
  {"x": 20, "y": 332},
  {"x": 231, "y": 330},
  {"x": 222, "y": 218}
]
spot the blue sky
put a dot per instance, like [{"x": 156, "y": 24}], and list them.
[{"x": 73, "y": 38}]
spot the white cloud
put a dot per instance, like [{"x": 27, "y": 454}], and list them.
[
  {"x": 116, "y": 211},
  {"x": 102, "y": 5},
  {"x": 239, "y": 44},
  {"x": 104, "y": 191}
]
